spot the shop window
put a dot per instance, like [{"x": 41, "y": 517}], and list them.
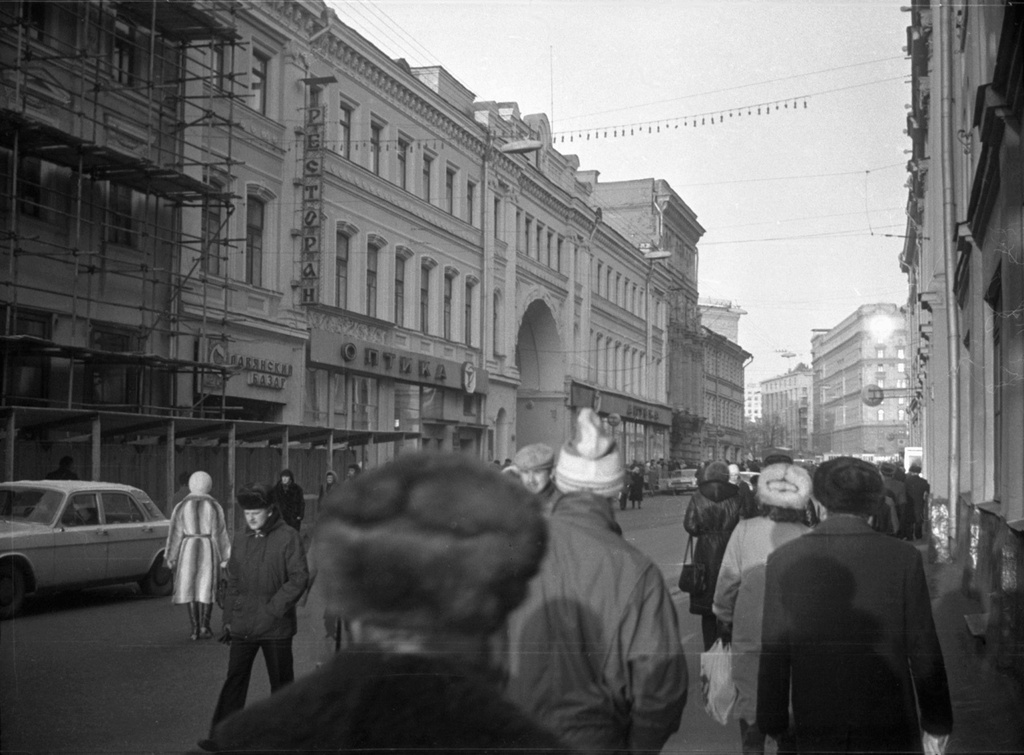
[
  {"x": 470, "y": 405},
  {"x": 407, "y": 407},
  {"x": 120, "y": 224},
  {"x": 315, "y": 397},
  {"x": 255, "y": 212},
  {"x": 339, "y": 405},
  {"x": 345, "y": 130},
  {"x": 432, "y": 403},
  {"x": 364, "y": 403}
]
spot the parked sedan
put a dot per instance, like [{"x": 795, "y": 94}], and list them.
[
  {"x": 681, "y": 481},
  {"x": 64, "y": 534}
]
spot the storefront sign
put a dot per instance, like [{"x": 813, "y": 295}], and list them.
[
  {"x": 608, "y": 404},
  {"x": 312, "y": 205},
  {"x": 259, "y": 372}
]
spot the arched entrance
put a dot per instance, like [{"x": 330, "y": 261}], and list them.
[{"x": 540, "y": 357}]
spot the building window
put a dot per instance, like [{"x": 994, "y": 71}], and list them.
[
  {"x": 495, "y": 321},
  {"x": 901, "y": 415},
  {"x": 400, "y": 291},
  {"x": 120, "y": 225},
  {"x": 34, "y": 14},
  {"x": 901, "y": 367},
  {"x": 497, "y": 218},
  {"x": 30, "y": 187},
  {"x": 600, "y": 270},
  {"x": 900, "y": 353},
  {"x": 254, "y": 219},
  {"x": 558, "y": 255},
  {"x": 449, "y": 191},
  {"x": 880, "y": 352},
  {"x": 375, "y": 132},
  {"x": 425, "y": 298},
  {"x": 470, "y": 202},
  {"x": 211, "y": 241},
  {"x": 29, "y": 376},
  {"x": 402, "y": 157},
  {"x": 258, "y": 83},
  {"x": 881, "y": 415},
  {"x": 344, "y": 130},
  {"x": 111, "y": 383},
  {"x": 468, "y": 307},
  {"x": 551, "y": 249},
  {"x": 528, "y": 236},
  {"x": 428, "y": 170},
  {"x": 372, "y": 254},
  {"x": 122, "y": 53},
  {"x": 341, "y": 270},
  {"x": 364, "y": 403},
  {"x": 447, "y": 323}
]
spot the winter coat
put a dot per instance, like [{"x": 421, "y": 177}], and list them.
[
  {"x": 848, "y": 634},
  {"x": 267, "y": 574},
  {"x": 594, "y": 651},
  {"x": 197, "y": 544},
  {"x": 368, "y": 701},
  {"x": 710, "y": 517},
  {"x": 739, "y": 598},
  {"x": 636, "y": 484},
  {"x": 290, "y": 501}
]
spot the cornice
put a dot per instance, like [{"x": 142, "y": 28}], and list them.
[{"x": 335, "y": 51}]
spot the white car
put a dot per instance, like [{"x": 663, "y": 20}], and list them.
[
  {"x": 681, "y": 481},
  {"x": 64, "y": 534}
]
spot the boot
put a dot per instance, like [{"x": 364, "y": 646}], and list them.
[
  {"x": 193, "y": 618},
  {"x": 205, "y": 609}
]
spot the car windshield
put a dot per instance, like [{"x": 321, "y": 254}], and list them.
[{"x": 37, "y": 505}]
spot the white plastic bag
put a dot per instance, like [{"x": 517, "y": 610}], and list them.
[{"x": 716, "y": 685}]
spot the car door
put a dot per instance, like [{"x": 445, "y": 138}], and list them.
[
  {"x": 132, "y": 540},
  {"x": 80, "y": 542}
]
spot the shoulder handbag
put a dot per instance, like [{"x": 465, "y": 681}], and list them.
[{"x": 693, "y": 577}]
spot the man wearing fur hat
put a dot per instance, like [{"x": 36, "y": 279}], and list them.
[
  {"x": 783, "y": 492},
  {"x": 534, "y": 464},
  {"x": 425, "y": 556},
  {"x": 594, "y": 651},
  {"x": 848, "y": 633},
  {"x": 267, "y": 574}
]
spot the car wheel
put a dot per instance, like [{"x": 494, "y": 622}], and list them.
[
  {"x": 160, "y": 580},
  {"x": 12, "y": 590}
]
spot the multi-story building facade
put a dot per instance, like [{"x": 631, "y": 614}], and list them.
[
  {"x": 786, "y": 405},
  {"x": 721, "y": 316},
  {"x": 724, "y": 361},
  {"x": 304, "y": 247},
  {"x": 964, "y": 262},
  {"x": 752, "y": 402},
  {"x": 861, "y": 384},
  {"x": 651, "y": 215}
]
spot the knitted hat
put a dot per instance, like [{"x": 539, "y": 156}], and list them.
[
  {"x": 430, "y": 541},
  {"x": 535, "y": 456},
  {"x": 200, "y": 483},
  {"x": 786, "y": 486},
  {"x": 590, "y": 461}
]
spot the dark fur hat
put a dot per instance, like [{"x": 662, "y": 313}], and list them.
[
  {"x": 846, "y": 485},
  {"x": 430, "y": 542}
]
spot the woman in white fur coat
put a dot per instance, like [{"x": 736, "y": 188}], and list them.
[
  {"x": 197, "y": 549},
  {"x": 784, "y": 490}
]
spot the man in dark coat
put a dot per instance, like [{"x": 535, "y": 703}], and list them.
[
  {"x": 267, "y": 574},
  {"x": 426, "y": 556},
  {"x": 918, "y": 492},
  {"x": 848, "y": 633},
  {"x": 289, "y": 499},
  {"x": 64, "y": 471}
]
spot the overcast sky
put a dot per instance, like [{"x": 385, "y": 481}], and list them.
[{"x": 796, "y": 205}]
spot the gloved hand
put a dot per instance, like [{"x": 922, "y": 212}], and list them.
[
  {"x": 725, "y": 632},
  {"x": 225, "y": 637}
]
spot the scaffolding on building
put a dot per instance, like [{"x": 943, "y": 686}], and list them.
[{"x": 116, "y": 133}]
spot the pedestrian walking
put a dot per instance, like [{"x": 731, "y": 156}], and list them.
[
  {"x": 783, "y": 493},
  {"x": 595, "y": 654},
  {"x": 918, "y": 492},
  {"x": 848, "y": 633},
  {"x": 267, "y": 575},
  {"x": 426, "y": 555},
  {"x": 636, "y": 485},
  {"x": 535, "y": 463},
  {"x": 896, "y": 497},
  {"x": 748, "y": 503},
  {"x": 198, "y": 547},
  {"x": 289, "y": 499},
  {"x": 710, "y": 517},
  {"x": 64, "y": 471}
]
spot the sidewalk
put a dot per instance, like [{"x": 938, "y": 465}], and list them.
[{"x": 988, "y": 709}]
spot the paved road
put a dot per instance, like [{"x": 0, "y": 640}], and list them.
[{"x": 108, "y": 671}]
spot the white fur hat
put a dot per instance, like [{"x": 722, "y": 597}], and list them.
[
  {"x": 590, "y": 461},
  {"x": 786, "y": 486},
  {"x": 200, "y": 483}
]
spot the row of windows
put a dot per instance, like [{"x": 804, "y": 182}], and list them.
[{"x": 617, "y": 366}]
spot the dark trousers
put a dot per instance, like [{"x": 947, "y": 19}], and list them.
[
  {"x": 708, "y": 629},
  {"x": 752, "y": 740},
  {"x": 278, "y": 657}
]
